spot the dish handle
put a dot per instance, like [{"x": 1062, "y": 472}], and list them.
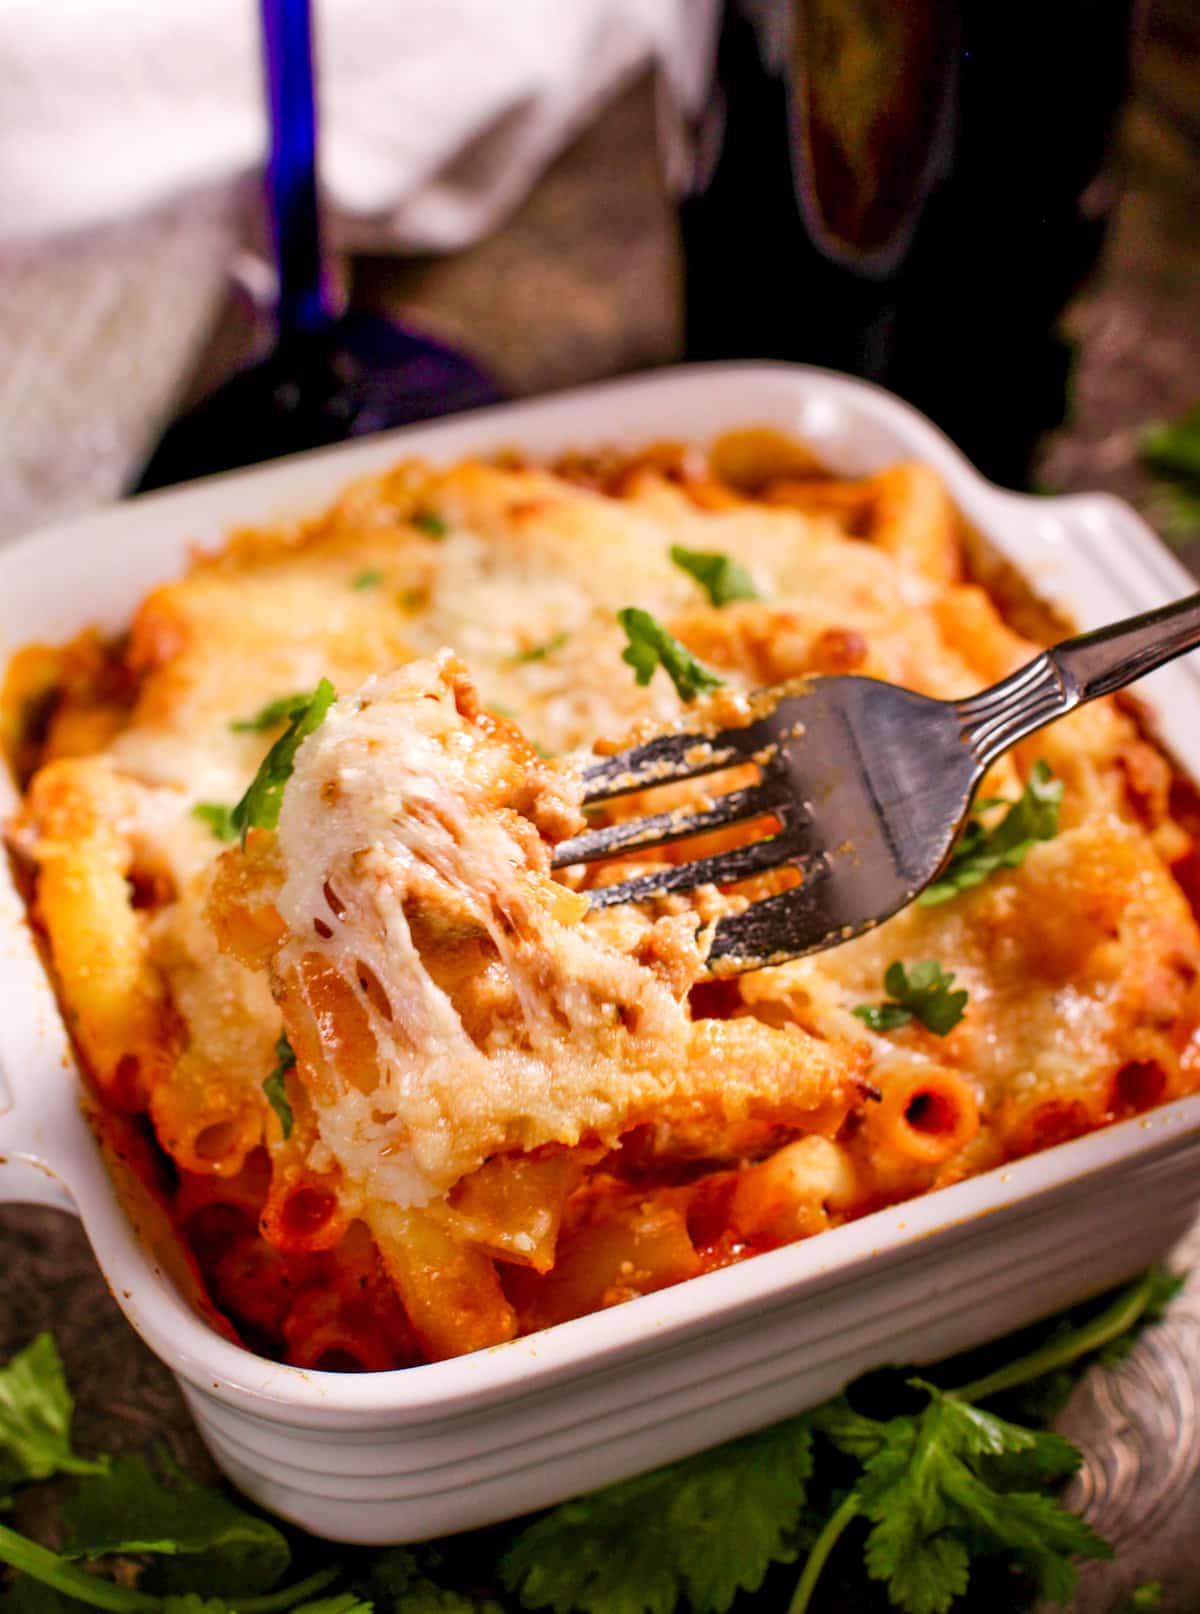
[
  {"x": 39, "y": 1135},
  {"x": 44, "y": 1139}
]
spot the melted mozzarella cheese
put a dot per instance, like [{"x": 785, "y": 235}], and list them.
[
  {"x": 499, "y": 1015},
  {"x": 498, "y": 1024},
  {"x": 400, "y": 808}
]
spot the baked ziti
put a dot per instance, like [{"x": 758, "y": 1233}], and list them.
[{"x": 402, "y": 1090}]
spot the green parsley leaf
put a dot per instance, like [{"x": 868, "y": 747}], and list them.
[
  {"x": 980, "y": 852},
  {"x": 541, "y": 651},
  {"x": 1174, "y": 446},
  {"x": 35, "y": 1419},
  {"x": 24, "y": 1595},
  {"x": 368, "y": 579},
  {"x": 274, "y": 1085},
  {"x": 341, "y": 1603},
  {"x": 947, "y": 1483},
  {"x": 722, "y": 578},
  {"x": 1161, "y": 1287},
  {"x": 847, "y": 1429},
  {"x": 1175, "y": 506},
  {"x": 883, "y": 1016},
  {"x": 218, "y": 817},
  {"x": 52, "y": 1585},
  {"x": 1144, "y": 1599},
  {"x": 273, "y": 714},
  {"x": 67, "y": 1588},
  {"x": 651, "y": 646},
  {"x": 297, "y": 1598},
  {"x": 1171, "y": 450},
  {"x": 401, "y": 1581},
  {"x": 430, "y": 523},
  {"x": 938, "y": 1486},
  {"x": 702, "y": 1529},
  {"x": 259, "y": 807},
  {"x": 131, "y": 1509},
  {"x": 922, "y": 993}
]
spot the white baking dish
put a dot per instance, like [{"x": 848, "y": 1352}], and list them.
[{"x": 397, "y": 1456}]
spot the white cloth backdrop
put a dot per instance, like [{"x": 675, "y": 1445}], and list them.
[
  {"x": 129, "y": 128},
  {"x": 436, "y": 114}
]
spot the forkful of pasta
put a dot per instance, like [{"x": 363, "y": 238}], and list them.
[{"x": 866, "y": 786}]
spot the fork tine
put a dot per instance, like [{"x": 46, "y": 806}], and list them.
[
  {"x": 786, "y": 926},
  {"x": 771, "y": 794},
  {"x": 676, "y": 756},
  {"x": 739, "y": 863}
]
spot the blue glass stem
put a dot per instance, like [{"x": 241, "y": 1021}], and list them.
[{"x": 304, "y": 296}]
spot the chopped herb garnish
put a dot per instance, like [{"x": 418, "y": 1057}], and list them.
[
  {"x": 218, "y": 817},
  {"x": 721, "y": 577},
  {"x": 498, "y": 709},
  {"x": 281, "y": 710},
  {"x": 539, "y": 652},
  {"x": 274, "y": 1086},
  {"x": 430, "y": 523},
  {"x": 651, "y": 646},
  {"x": 922, "y": 993},
  {"x": 259, "y": 807},
  {"x": 980, "y": 852},
  {"x": 368, "y": 579}
]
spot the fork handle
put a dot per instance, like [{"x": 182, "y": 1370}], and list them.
[
  {"x": 1099, "y": 663},
  {"x": 1075, "y": 671}
]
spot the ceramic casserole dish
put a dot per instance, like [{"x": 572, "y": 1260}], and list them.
[{"x": 417, "y": 1452}]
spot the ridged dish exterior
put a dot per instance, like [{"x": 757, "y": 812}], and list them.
[
  {"x": 411, "y": 1478},
  {"x": 398, "y": 1456}
]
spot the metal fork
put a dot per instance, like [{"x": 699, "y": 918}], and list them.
[{"x": 868, "y": 783}]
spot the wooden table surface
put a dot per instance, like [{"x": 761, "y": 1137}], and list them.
[{"x": 583, "y": 282}]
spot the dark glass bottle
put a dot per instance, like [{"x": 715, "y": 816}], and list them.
[{"x": 908, "y": 190}]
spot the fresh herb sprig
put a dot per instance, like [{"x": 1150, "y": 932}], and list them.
[
  {"x": 651, "y": 646},
  {"x": 981, "y": 851},
  {"x": 430, "y": 523},
  {"x": 933, "y": 1484},
  {"x": 275, "y": 1087},
  {"x": 202, "y": 1544},
  {"x": 259, "y": 807},
  {"x": 920, "y": 993},
  {"x": 271, "y": 716},
  {"x": 721, "y": 577},
  {"x": 696, "y": 1533},
  {"x": 1171, "y": 450},
  {"x": 219, "y": 818},
  {"x": 943, "y": 1484},
  {"x": 540, "y": 652},
  {"x": 1144, "y": 1599},
  {"x": 35, "y": 1420},
  {"x": 134, "y": 1506}
]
